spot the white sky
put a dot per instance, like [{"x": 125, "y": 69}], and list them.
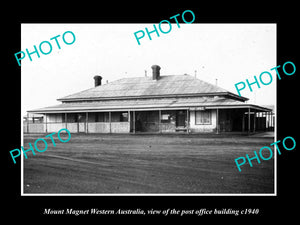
[{"x": 229, "y": 52}]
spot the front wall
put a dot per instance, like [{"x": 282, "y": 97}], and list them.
[
  {"x": 35, "y": 128},
  {"x": 72, "y": 127},
  {"x": 103, "y": 127},
  {"x": 98, "y": 127},
  {"x": 120, "y": 127},
  {"x": 54, "y": 123},
  {"x": 167, "y": 127},
  {"x": 55, "y": 127}
]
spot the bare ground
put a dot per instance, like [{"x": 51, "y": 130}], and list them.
[{"x": 102, "y": 163}]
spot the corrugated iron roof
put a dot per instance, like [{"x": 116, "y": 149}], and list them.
[{"x": 171, "y": 85}]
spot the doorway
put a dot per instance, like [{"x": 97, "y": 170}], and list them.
[{"x": 181, "y": 120}]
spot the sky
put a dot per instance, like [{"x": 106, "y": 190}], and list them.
[{"x": 230, "y": 53}]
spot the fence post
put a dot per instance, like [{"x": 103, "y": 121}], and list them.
[
  {"x": 249, "y": 124},
  {"x": 28, "y": 123},
  {"x": 46, "y": 122},
  {"x": 87, "y": 122},
  {"x": 109, "y": 116},
  {"x": 159, "y": 122},
  {"x": 66, "y": 120}
]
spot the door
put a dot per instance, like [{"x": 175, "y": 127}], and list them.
[
  {"x": 81, "y": 123},
  {"x": 181, "y": 119}
]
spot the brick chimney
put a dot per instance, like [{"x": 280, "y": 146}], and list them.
[
  {"x": 155, "y": 72},
  {"x": 97, "y": 79}
]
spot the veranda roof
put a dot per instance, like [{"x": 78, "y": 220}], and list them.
[{"x": 208, "y": 102}]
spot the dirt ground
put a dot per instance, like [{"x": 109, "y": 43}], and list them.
[{"x": 102, "y": 163}]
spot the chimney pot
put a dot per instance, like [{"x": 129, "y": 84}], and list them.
[
  {"x": 97, "y": 79},
  {"x": 155, "y": 72}
]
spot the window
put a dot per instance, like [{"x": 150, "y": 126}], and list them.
[
  {"x": 168, "y": 116},
  {"x": 119, "y": 116},
  {"x": 165, "y": 117},
  {"x": 124, "y": 117},
  {"x": 203, "y": 117}
]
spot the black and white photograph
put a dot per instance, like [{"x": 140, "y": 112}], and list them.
[
  {"x": 160, "y": 117},
  {"x": 145, "y": 111}
]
